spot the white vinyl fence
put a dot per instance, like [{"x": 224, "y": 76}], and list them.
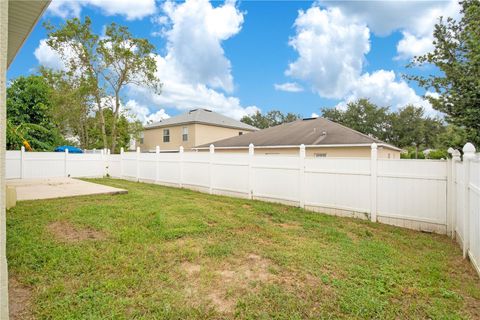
[
  {"x": 465, "y": 202},
  {"x": 441, "y": 196}
]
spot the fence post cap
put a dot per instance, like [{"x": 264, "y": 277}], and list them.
[
  {"x": 455, "y": 154},
  {"x": 66, "y": 150},
  {"x": 157, "y": 149},
  {"x": 212, "y": 148},
  {"x": 138, "y": 149},
  {"x": 122, "y": 150},
  {"x": 374, "y": 146},
  {"x": 468, "y": 148},
  {"x": 180, "y": 149},
  {"x": 251, "y": 148},
  {"x": 22, "y": 149}
]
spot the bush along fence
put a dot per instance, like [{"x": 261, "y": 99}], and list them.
[{"x": 439, "y": 196}]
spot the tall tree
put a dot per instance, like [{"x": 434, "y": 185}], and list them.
[
  {"x": 29, "y": 115},
  {"x": 364, "y": 116},
  {"x": 128, "y": 61},
  {"x": 72, "y": 104},
  {"x": 78, "y": 47},
  {"x": 272, "y": 118},
  {"x": 457, "y": 55}
]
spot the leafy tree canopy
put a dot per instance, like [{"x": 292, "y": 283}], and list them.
[
  {"x": 29, "y": 115},
  {"x": 272, "y": 118}
]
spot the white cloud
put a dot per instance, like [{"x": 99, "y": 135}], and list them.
[
  {"x": 131, "y": 9},
  {"x": 288, "y": 87},
  {"x": 195, "y": 30},
  {"x": 415, "y": 19},
  {"x": 411, "y": 45},
  {"x": 143, "y": 114},
  {"x": 195, "y": 64},
  {"x": 382, "y": 88},
  {"x": 47, "y": 57},
  {"x": 331, "y": 50},
  {"x": 314, "y": 115}
]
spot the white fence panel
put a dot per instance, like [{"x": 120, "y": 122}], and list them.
[
  {"x": 169, "y": 168},
  {"x": 413, "y": 190},
  {"x": 338, "y": 183},
  {"x": 43, "y": 165},
  {"x": 129, "y": 165},
  {"x": 114, "y": 165},
  {"x": 196, "y": 169},
  {"x": 147, "y": 166},
  {"x": 474, "y": 208},
  {"x": 85, "y": 165},
  {"x": 13, "y": 165},
  {"x": 276, "y": 178},
  {"x": 230, "y": 174}
]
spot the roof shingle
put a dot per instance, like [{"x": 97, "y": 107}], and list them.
[{"x": 310, "y": 132}]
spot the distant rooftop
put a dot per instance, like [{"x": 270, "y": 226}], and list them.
[
  {"x": 310, "y": 132},
  {"x": 202, "y": 116}
]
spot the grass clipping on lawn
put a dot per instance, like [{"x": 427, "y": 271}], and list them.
[{"x": 166, "y": 253}]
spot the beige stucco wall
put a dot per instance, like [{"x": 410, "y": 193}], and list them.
[
  {"x": 340, "y": 152},
  {"x": 208, "y": 134},
  {"x": 198, "y": 134}
]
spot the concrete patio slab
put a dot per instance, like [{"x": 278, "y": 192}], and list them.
[{"x": 51, "y": 188}]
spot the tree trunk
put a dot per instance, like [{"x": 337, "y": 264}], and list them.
[
  {"x": 102, "y": 122},
  {"x": 114, "y": 124}
]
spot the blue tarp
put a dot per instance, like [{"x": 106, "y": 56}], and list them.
[{"x": 71, "y": 149}]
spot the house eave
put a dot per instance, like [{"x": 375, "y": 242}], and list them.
[
  {"x": 196, "y": 122},
  {"x": 384, "y": 145}
]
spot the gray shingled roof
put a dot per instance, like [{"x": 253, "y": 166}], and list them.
[
  {"x": 310, "y": 132},
  {"x": 202, "y": 116}
]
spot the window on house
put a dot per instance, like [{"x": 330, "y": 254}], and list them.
[
  {"x": 166, "y": 135},
  {"x": 240, "y": 133},
  {"x": 320, "y": 155},
  {"x": 141, "y": 138},
  {"x": 185, "y": 134},
  {"x": 389, "y": 156}
]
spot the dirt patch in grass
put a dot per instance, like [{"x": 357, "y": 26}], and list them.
[
  {"x": 229, "y": 281},
  {"x": 289, "y": 225},
  {"x": 19, "y": 300},
  {"x": 191, "y": 268},
  {"x": 65, "y": 231}
]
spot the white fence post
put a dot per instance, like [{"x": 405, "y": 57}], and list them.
[
  {"x": 121, "y": 162},
  {"x": 138, "y": 164},
  {"x": 301, "y": 176},
  {"x": 251, "y": 152},
  {"x": 449, "y": 187},
  {"x": 468, "y": 154},
  {"x": 180, "y": 150},
  {"x": 65, "y": 173},
  {"x": 157, "y": 161},
  {"x": 373, "y": 182},
  {"x": 106, "y": 171},
  {"x": 102, "y": 157},
  {"x": 22, "y": 162},
  {"x": 453, "y": 191},
  {"x": 210, "y": 168}
]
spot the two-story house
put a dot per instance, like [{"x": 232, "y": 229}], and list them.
[{"x": 190, "y": 129}]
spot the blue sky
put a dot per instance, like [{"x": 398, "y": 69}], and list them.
[{"x": 238, "y": 57}]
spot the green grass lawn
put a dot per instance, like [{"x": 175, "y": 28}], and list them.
[{"x": 166, "y": 253}]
